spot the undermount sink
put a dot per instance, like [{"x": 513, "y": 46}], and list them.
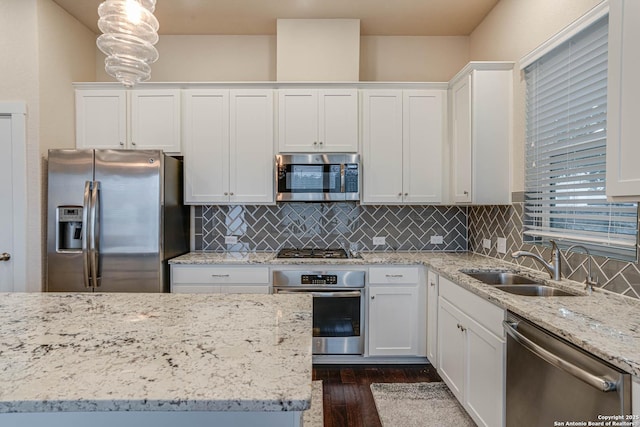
[
  {"x": 514, "y": 283},
  {"x": 535, "y": 290},
  {"x": 500, "y": 278}
]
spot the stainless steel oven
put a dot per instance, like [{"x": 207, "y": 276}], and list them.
[
  {"x": 338, "y": 307},
  {"x": 318, "y": 177}
]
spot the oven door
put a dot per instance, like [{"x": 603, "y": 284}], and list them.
[{"x": 338, "y": 320}]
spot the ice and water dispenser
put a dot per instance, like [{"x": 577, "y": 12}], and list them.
[{"x": 69, "y": 231}]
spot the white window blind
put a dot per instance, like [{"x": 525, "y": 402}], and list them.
[{"x": 566, "y": 147}]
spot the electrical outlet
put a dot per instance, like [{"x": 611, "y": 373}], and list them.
[
  {"x": 379, "y": 240},
  {"x": 437, "y": 240},
  {"x": 230, "y": 240},
  {"x": 486, "y": 243},
  {"x": 502, "y": 245}
]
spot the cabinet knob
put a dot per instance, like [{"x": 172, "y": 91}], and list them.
[
  {"x": 226, "y": 194},
  {"x": 231, "y": 194},
  {"x": 122, "y": 143},
  {"x": 399, "y": 194},
  {"x": 315, "y": 142},
  {"x": 320, "y": 143},
  {"x": 133, "y": 143},
  {"x": 373, "y": 297},
  {"x": 432, "y": 284},
  {"x": 465, "y": 192},
  {"x": 406, "y": 194}
]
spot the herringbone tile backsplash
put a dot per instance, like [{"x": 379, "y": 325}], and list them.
[
  {"x": 491, "y": 222},
  {"x": 330, "y": 225}
]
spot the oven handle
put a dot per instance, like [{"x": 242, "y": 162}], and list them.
[
  {"x": 601, "y": 384},
  {"x": 344, "y": 294}
]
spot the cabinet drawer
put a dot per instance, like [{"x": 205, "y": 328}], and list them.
[
  {"x": 179, "y": 288},
  {"x": 385, "y": 275},
  {"x": 194, "y": 274},
  {"x": 482, "y": 311}
]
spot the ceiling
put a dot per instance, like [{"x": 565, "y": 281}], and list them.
[{"x": 258, "y": 17}]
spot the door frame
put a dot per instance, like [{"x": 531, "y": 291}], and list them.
[{"x": 17, "y": 111}]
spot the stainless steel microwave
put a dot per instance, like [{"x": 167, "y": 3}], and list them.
[{"x": 317, "y": 177}]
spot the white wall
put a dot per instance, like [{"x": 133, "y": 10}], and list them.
[
  {"x": 66, "y": 52},
  {"x": 511, "y": 30},
  {"x": 412, "y": 58},
  {"x": 253, "y": 58}
]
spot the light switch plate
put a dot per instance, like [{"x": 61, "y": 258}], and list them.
[
  {"x": 230, "y": 240},
  {"x": 379, "y": 240},
  {"x": 486, "y": 243},
  {"x": 502, "y": 245},
  {"x": 437, "y": 240}
]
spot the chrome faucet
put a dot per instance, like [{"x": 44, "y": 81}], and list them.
[
  {"x": 589, "y": 281},
  {"x": 553, "y": 266}
]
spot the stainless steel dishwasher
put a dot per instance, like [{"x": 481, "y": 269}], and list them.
[{"x": 550, "y": 380}]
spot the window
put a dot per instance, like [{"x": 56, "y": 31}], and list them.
[{"x": 566, "y": 114}]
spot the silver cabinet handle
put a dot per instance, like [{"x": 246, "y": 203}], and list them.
[
  {"x": 5, "y": 256},
  {"x": 599, "y": 383},
  {"x": 465, "y": 192},
  {"x": 220, "y": 275},
  {"x": 432, "y": 284},
  {"x": 393, "y": 276}
]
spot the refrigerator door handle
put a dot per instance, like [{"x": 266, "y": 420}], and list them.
[
  {"x": 94, "y": 243},
  {"x": 86, "y": 231}
]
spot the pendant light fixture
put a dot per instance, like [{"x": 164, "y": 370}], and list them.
[{"x": 130, "y": 32}]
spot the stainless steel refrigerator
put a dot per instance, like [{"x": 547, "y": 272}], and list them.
[{"x": 114, "y": 219}]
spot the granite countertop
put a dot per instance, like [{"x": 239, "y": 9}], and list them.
[
  {"x": 154, "y": 352},
  {"x": 603, "y": 323}
]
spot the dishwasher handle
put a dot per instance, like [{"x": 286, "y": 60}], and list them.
[{"x": 595, "y": 381}]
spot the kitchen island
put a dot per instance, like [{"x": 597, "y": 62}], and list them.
[{"x": 154, "y": 359}]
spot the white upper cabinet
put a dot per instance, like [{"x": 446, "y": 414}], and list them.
[
  {"x": 318, "y": 120},
  {"x": 228, "y": 146},
  {"x": 101, "y": 119},
  {"x": 155, "y": 120},
  {"x": 623, "y": 109},
  {"x": 141, "y": 119},
  {"x": 403, "y": 135},
  {"x": 481, "y": 128}
]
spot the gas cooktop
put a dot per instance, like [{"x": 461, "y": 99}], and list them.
[{"x": 312, "y": 253}]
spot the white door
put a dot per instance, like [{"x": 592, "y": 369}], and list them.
[
  {"x": 12, "y": 197},
  {"x": 298, "y": 120},
  {"x": 461, "y": 140},
  {"x": 393, "y": 320},
  {"x": 338, "y": 120},
  {"x": 101, "y": 119},
  {"x": 155, "y": 120}
]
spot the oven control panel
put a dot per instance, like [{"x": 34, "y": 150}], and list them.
[{"x": 318, "y": 279}]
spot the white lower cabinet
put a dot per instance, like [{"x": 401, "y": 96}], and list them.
[
  {"x": 218, "y": 279},
  {"x": 471, "y": 352},
  {"x": 397, "y": 315},
  {"x": 432, "y": 318}
]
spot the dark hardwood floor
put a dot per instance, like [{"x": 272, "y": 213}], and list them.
[{"x": 348, "y": 401}]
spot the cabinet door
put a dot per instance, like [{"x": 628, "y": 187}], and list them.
[
  {"x": 423, "y": 141},
  {"x": 155, "y": 120},
  {"x": 382, "y": 146},
  {"x": 338, "y": 120},
  {"x": 484, "y": 394},
  {"x": 461, "y": 140},
  {"x": 623, "y": 109},
  {"x": 393, "y": 320},
  {"x": 297, "y": 120},
  {"x": 432, "y": 318},
  {"x": 451, "y": 348},
  {"x": 251, "y": 147},
  {"x": 206, "y": 146},
  {"x": 101, "y": 119}
]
